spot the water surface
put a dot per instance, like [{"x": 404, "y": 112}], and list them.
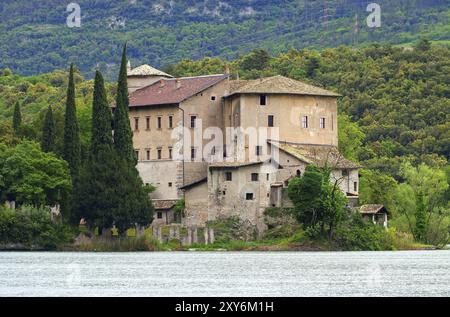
[{"x": 415, "y": 273}]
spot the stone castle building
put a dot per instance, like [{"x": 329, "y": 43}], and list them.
[{"x": 295, "y": 125}]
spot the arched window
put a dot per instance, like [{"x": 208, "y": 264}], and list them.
[{"x": 299, "y": 173}]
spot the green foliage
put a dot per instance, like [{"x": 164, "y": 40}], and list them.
[
  {"x": 101, "y": 117},
  {"x": 376, "y": 188},
  {"x": 318, "y": 203},
  {"x": 48, "y": 132},
  {"x": 30, "y": 176},
  {"x": 421, "y": 200},
  {"x": 180, "y": 207},
  {"x": 350, "y": 138},
  {"x": 109, "y": 191},
  {"x": 196, "y": 29},
  {"x": 32, "y": 228},
  {"x": 17, "y": 118},
  {"x": 232, "y": 229},
  {"x": 123, "y": 137},
  {"x": 71, "y": 151}
]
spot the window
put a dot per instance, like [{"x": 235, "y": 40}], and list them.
[
  {"x": 262, "y": 100},
  {"x": 136, "y": 124},
  {"x": 159, "y": 215},
  {"x": 170, "y": 153},
  {"x": 170, "y": 122},
  {"x": 304, "y": 121},
  {"x": 148, "y": 155},
  {"x": 355, "y": 187},
  {"x": 270, "y": 121},
  {"x": 193, "y": 119},
  {"x": 170, "y": 184},
  {"x": 249, "y": 196},
  {"x": 213, "y": 150},
  {"x": 159, "y": 122},
  {"x": 254, "y": 177},
  {"x": 267, "y": 176},
  {"x": 299, "y": 173},
  {"x": 322, "y": 123},
  {"x": 147, "y": 123},
  {"x": 213, "y": 98},
  {"x": 344, "y": 172},
  {"x": 136, "y": 152},
  {"x": 224, "y": 193},
  {"x": 159, "y": 154},
  {"x": 192, "y": 153},
  {"x": 228, "y": 176},
  {"x": 258, "y": 150}
]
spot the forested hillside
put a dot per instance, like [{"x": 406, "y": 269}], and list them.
[
  {"x": 35, "y": 38},
  {"x": 395, "y": 104}
]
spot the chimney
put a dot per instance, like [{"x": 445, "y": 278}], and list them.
[
  {"x": 178, "y": 83},
  {"x": 162, "y": 83}
]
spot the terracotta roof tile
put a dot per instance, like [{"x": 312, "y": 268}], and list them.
[
  {"x": 278, "y": 85},
  {"x": 371, "y": 209},
  {"x": 161, "y": 204},
  {"x": 146, "y": 70},
  {"x": 319, "y": 155},
  {"x": 172, "y": 91}
]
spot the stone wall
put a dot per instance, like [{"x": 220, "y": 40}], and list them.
[{"x": 187, "y": 235}]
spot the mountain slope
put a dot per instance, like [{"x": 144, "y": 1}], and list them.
[{"x": 35, "y": 38}]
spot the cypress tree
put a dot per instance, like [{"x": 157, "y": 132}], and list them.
[
  {"x": 123, "y": 136},
  {"x": 72, "y": 148},
  {"x": 109, "y": 190},
  {"x": 101, "y": 117},
  {"x": 48, "y": 132},
  {"x": 17, "y": 118}
]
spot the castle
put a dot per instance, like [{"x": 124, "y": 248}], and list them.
[{"x": 184, "y": 148}]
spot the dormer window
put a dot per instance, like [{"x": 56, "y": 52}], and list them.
[{"x": 262, "y": 100}]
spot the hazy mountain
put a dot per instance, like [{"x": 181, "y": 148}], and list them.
[{"x": 36, "y": 39}]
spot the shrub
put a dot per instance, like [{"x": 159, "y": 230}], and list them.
[{"x": 32, "y": 227}]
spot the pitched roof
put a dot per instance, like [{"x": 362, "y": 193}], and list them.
[
  {"x": 233, "y": 164},
  {"x": 278, "y": 85},
  {"x": 167, "y": 91},
  {"x": 146, "y": 70},
  {"x": 372, "y": 209},
  {"x": 319, "y": 155},
  {"x": 194, "y": 183},
  {"x": 161, "y": 204}
]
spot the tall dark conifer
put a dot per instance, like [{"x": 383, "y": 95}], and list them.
[
  {"x": 17, "y": 118},
  {"x": 123, "y": 136},
  {"x": 48, "y": 132},
  {"x": 72, "y": 149},
  {"x": 101, "y": 117}
]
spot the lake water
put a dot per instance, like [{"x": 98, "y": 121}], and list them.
[{"x": 415, "y": 273}]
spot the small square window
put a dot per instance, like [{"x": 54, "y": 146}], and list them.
[
  {"x": 159, "y": 215},
  {"x": 213, "y": 98},
  {"x": 262, "y": 100},
  {"x": 249, "y": 196},
  {"x": 228, "y": 176},
  {"x": 255, "y": 177},
  {"x": 170, "y": 184}
]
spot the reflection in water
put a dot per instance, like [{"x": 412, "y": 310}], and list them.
[{"x": 416, "y": 273}]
